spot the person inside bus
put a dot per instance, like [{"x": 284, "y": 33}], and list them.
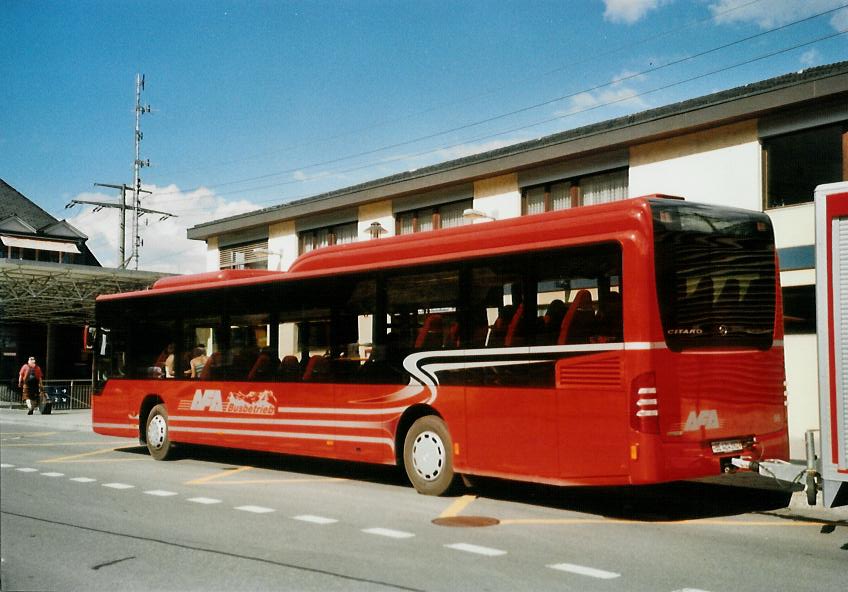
[
  {"x": 197, "y": 363},
  {"x": 552, "y": 321},
  {"x": 164, "y": 362}
]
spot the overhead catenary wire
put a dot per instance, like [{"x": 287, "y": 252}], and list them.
[
  {"x": 525, "y": 109},
  {"x": 477, "y": 96},
  {"x": 517, "y": 128}
]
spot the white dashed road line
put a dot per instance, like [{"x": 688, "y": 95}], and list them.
[
  {"x": 583, "y": 570},
  {"x": 161, "y": 493},
  {"x": 204, "y": 500},
  {"x": 476, "y": 549},
  {"x": 322, "y": 520},
  {"x": 314, "y": 519},
  {"x": 120, "y": 486},
  {"x": 255, "y": 509},
  {"x": 388, "y": 532}
]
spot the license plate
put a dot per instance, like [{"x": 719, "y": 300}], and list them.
[{"x": 727, "y": 446}]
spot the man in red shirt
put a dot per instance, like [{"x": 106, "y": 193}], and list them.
[{"x": 29, "y": 378}]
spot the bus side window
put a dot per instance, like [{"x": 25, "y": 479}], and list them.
[{"x": 578, "y": 296}]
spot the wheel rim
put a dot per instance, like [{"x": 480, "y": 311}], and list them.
[
  {"x": 428, "y": 455},
  {"x": 157, "y": 432}
]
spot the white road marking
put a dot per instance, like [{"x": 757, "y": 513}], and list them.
[
  {"x": 6, "y": 466},
  {"x": 83, "y": 479},
  {"x": 388, "y": 532},
  {"x": 582, "y": 570},
  {"x": 476, "y": 549},
  {"x": 53, "y": 474},
  {"x": 118, "y": 486},
  {"x": 690, "y": 590},
  {"x": 314, "y": 519},
  {"x": 204, "y": 500},
  {"x": 255, "y": 509},
  {"x": 160, "y": 493},
  {"x": 27, "y": 470}
]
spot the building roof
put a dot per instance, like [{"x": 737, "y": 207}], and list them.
[
  {"x": 21, "y": 217},
  {"x": 743, "y": 102},
  {"x": 13, "y": 203}
]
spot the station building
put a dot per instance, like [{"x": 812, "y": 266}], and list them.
[{"x": 764, "y": 146}]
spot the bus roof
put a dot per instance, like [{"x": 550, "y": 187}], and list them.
[{"x": 540, "y": 231}]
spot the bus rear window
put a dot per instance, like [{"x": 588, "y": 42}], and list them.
[{"x": 715, "y": 276}]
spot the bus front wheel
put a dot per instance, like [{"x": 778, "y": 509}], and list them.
[
  {"x": 428, "y": 456},
  {"x": 158, "y": 440}
]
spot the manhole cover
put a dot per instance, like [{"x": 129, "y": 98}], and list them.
[{"x": 467, "y": 521}]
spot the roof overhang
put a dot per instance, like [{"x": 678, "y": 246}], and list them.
[
  {"x": 747, "y": 102},
  {"x": 38, "y": 244},
  {"x": 53, "y": 293}
]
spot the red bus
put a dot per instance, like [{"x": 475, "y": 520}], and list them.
[{"x": 626, "y": 343}]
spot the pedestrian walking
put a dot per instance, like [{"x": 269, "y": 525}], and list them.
[{"x": 29, "y": 379}]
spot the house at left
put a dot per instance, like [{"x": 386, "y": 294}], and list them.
[{"x": 49, "y": 279}]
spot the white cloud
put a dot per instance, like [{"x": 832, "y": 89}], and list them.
[
  {"x": 811, "y": 57},
  {"x": 630, "y": 11},
  {"x": 165, "y": 247},
  {"x": 774, "y": 13},
  {"x": 618, "y": 95}
]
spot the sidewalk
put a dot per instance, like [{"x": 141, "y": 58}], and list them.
[{"x": 80, "y": 420}]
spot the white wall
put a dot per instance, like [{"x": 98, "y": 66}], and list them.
[
  {"x": 794, "y": 225},
  {"x": 282, "y": 245},
  {"x": 213, "y": 254},
  {"x": 802, "y": 389},
  {"x": 722, "y": 166}
]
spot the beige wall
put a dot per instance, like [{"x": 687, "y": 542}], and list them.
[
  {"x": 499, "y": 197},
  {"x": 376, "y": 212}
]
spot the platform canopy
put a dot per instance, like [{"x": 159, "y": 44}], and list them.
[{"x": 53, "y": 293}]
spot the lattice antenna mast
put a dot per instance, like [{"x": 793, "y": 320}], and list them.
[
  {"x": 137, "y": 164},
  {"x": 135, "y": 188}
]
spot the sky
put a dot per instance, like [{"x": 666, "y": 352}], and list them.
[{"x": 259, "y": 103}]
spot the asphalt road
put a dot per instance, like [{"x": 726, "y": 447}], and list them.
[{"x": 80, "y": 511}]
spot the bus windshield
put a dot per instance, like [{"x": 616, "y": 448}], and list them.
[{"x": 715, "y": 273}]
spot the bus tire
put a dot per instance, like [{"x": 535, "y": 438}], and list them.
[
  {"x": 428, "y": 456},
  {"x": 158, "y": 439}
]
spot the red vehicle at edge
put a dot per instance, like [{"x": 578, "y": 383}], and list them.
[{"x": 633, "y": 342}]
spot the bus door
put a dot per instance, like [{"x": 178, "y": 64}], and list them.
[
  {"x": 510, "y": 415},
  {"x": 582, "y": 302},
  {"x": 304, "y": 390}
]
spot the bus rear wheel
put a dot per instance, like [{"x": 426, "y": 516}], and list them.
[
  {"x": 158, "y": 441},
  {"x": 428, "y": 456}
]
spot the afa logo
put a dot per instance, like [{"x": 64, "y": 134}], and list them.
[
  {"x": 207, "y": 400},
  {"x": 707, "y": 419},
  {"x": 212, "y": 400}
]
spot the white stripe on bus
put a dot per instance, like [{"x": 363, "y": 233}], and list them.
[
  {"x": 291, "y": 435},
  {"x": 322, "y": 423}
]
